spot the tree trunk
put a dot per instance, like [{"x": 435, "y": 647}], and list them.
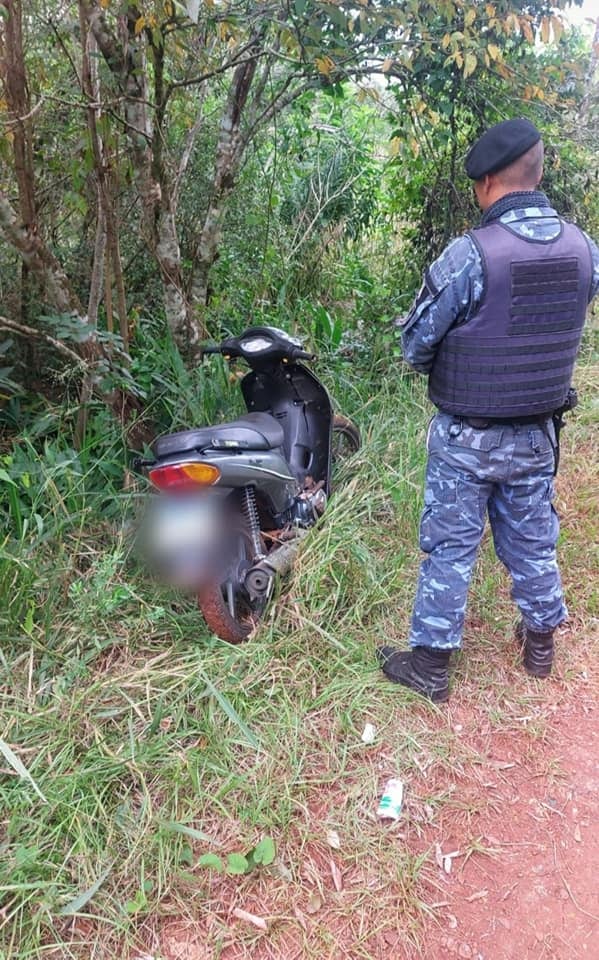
[
  {"x": 38, "y": 259},
  {"x": 23, "y": 234},
  {"x": 589, "y": 80},
  {"x": 152, "y": 179},
  {"x": 229, "y": 152},
  {"x": 19, "y": 107}
]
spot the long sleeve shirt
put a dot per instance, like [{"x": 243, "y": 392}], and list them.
[{"x": 453, "y": 285}]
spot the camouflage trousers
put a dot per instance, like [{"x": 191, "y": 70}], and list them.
[{"x": 505, "y": 472}]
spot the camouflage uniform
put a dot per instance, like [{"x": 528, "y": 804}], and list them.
[{"x": 505, "y": 471}]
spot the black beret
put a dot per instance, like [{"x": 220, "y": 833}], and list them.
[{"x": 499, "y": 146}]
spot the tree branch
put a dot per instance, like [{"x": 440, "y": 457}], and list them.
[
  {"x": 234, "y": 62},
  {"x": 24, "y": 331}
]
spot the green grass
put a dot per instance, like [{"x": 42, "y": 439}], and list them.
[{"x": 154, "y": 743}]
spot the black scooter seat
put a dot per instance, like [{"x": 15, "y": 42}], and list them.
[{"x": 252, "y": 431}]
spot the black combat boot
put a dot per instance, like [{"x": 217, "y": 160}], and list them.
[
  {"x": 537, "y": 650},
  {"x": 423, "y": 669}
]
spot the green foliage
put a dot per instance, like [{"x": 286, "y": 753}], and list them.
[{"x": 236, "y": 864}]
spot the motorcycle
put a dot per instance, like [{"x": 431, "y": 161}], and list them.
[{"x": 238, "y": 497}]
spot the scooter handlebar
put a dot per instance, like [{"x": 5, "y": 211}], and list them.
[
  {"x": 296, "y": 353},
  {"x": 299, "y": 354}
]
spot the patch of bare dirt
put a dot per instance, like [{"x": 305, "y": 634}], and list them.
[{"x": 523, "y": 884}]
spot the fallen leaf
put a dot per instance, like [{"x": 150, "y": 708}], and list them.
[
  {"x": 577, "y": 834},
  {"x": 314, "y": 903},
  {"x": 439, "y": 855},
  {"x": 259, "y": 922},
  {"x": 477, "y": 896},
  {"x": 336, "y": 875},
  {"x": 447, "y": 864},
  {"x": 300, "y": 918},
  {"x": 333, "y": 839},
  {"x": 452, "y": 921}
]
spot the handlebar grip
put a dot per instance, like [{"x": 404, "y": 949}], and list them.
[
  {"x": 300, "y": 354},
  {"x": 210, "y": 348}
]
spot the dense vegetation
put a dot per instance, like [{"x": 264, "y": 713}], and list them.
[{"x": 170, "y": 172}]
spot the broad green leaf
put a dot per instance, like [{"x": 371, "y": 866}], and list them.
[
  {"x": 28, "y": 622},
  {"x": 264, "y": 852},
  {"x": 236, "y": 863},
  {"x": 212, "y": 862}
]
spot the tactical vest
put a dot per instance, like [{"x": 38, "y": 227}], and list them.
[{"x": 515, "y": 356}]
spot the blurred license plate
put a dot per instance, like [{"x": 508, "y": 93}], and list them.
[
  {"x": 182, "y": 539},
  {"x": 183, "y": 523}
]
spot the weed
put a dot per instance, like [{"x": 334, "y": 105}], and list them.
[{"x": 165, "y": 755}]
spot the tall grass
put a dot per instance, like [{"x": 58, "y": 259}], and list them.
[{"x": 151, "y": 743}]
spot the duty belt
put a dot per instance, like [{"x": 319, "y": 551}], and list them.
[{"x": 482, "y": 424}]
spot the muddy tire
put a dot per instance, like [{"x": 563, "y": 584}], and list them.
[
  {"x": 226, "y": 607},
  {"x": 217, "y": 615},
  {"x": 345, "y": 440}
]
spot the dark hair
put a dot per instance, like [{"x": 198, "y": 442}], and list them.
[{"x": 526, "y": 172}]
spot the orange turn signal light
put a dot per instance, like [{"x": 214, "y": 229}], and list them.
[{"x": 181, "y": 476}]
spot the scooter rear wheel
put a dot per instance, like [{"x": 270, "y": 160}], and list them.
[
  {"x": 345, "y": 440},
  {"x": 226, "y": 607}
]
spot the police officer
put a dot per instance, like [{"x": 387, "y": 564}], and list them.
[{"x": 496, "y": 327}]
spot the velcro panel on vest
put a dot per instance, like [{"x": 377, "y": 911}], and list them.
[{"x": 544, "y": 296}]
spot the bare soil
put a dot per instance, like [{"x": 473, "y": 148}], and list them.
[{"x": 535, "y": 894}]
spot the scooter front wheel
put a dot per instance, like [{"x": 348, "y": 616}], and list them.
[{"x": 227, "y": 608}]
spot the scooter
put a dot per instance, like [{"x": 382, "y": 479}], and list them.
[{"x": 238, "y": 497}]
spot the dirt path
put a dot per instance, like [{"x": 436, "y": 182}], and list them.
[
  {"x": 535, "y": 894},
  {"x": 510, "y": 861}
]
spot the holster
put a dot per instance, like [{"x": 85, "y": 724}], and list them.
[{"x": 559, "y": 423}]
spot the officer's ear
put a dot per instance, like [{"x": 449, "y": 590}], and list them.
[{"x": 485, "y": 189}]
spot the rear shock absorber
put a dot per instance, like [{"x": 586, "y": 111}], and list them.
[{"x": 250, "y": 512}]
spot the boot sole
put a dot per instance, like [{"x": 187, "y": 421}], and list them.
[
  {"x": 540, "y": 672},
  {"x": 436, "y": 696}
]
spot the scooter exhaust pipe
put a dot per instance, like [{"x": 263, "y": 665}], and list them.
[{"x": 259, "y": 578}]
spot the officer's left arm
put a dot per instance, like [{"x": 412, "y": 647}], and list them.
[
  {"x": 452, "y": 287},
  {"x": 595, "y": 258}
]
